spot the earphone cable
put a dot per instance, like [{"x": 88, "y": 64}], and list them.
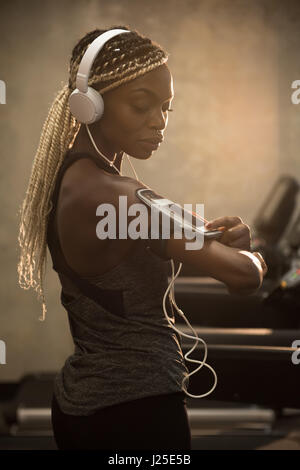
[{"x": 111, "y": 162}]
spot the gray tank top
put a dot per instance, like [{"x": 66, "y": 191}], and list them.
[{"x": 124, "y": 347}]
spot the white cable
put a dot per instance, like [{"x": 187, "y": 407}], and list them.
[
  {"x": 100, "y": 153},
  {"x": 180, "y": 312},
  {"x": 135, "y": 174},
  {"x": 172, "y": 300},
  {"x": 111, "y": 164}
]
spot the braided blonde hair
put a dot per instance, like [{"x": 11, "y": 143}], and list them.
[{"x": 122, "y": 59}]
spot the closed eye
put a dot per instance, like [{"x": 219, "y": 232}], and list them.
[
  {"x": 144, "y": 109},
  {"x": 140, "y": 109}
]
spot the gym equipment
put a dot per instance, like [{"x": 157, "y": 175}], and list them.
[{"x": 274, "y": 215}]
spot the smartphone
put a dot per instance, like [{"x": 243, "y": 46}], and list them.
[{"x": 163, "y": 205}]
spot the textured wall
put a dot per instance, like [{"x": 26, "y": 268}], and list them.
[{"x": 233, "y": 132}]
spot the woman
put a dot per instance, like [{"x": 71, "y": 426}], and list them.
[{"x": 122, "y": 387}]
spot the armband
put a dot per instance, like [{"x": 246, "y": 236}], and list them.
[
  {"x": 168, "y": 216},
  {"x": 156, "y": 241}
]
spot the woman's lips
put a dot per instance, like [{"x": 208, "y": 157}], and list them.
[{"x": 151, "y": 144}]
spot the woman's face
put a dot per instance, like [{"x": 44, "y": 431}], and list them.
[{"x": 136, "y": 114}]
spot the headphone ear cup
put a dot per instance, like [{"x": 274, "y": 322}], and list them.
[{"x": 86, "y": 107}]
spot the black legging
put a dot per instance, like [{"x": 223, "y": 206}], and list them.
[{"x": 152, "y": 423}]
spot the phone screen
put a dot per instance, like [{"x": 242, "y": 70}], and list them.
[{"x": 183, "y": 217}]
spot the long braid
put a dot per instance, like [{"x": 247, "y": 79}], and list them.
[
  {"x": 57, "y": 133},
  {"x": 122, "y": 59}
]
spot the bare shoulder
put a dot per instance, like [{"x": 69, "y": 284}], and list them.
[
  {"x": 87, "y": 183},
  {"x": 84, "y": 187},
  {"x": 110, "y": 187}
]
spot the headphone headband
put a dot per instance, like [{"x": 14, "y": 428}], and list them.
[
  {"x": 90, "y": 56},
  {"x": 86, "y": 103}
]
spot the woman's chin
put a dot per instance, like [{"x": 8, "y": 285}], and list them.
[{"x": 141, "y": 155}]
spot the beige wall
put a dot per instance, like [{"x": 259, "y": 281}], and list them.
[{"x": 234, "y": 129}]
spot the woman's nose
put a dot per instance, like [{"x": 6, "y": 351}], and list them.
[{"x": 158, "y": 120}]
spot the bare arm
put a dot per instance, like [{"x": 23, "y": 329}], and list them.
[
  {"x": 262, "y": 268},
  {"x": 240, "y": 270}
]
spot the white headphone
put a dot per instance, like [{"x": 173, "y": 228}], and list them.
[{"x": 86, "y": 103}]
